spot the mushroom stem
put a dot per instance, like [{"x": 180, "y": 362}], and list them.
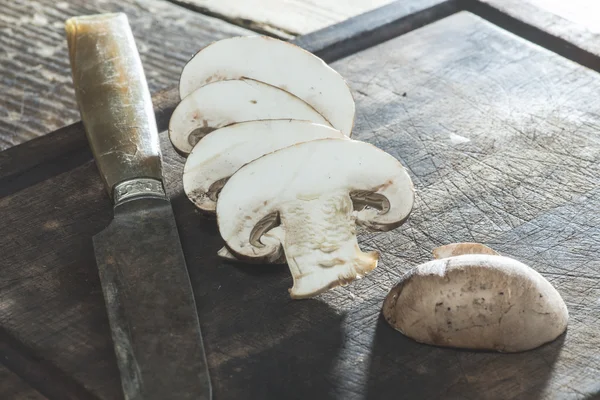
[{"x": 320, "y": 243}]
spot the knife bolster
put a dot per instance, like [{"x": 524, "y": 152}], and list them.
[{"x": 136, "y": 188}]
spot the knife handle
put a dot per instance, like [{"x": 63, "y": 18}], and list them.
[{"x": 114, "y": 102}]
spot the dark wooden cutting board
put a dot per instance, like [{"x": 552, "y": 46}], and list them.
[{"x": 500, "y": 136}]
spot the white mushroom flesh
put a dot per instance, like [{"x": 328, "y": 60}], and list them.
[
  {"x": 307, "y": 188},
  {"x": 320, "y": 243},
  {"x": 477, "y": 301},
  {"x": 222, "y": 152},
  {"x": 271, "y": 237},
  {"x": 277, "y": 63},
  {"x": 228, "y": 102}
]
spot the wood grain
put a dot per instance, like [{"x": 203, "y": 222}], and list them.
[
  {"x": 500, "y": 138},
  {"x": 13, "y": 388},
  {"x": 51, "y": 304},
  {"x": 42, "y": 377},
  {"x": 574, "y": 25},
  {"x": 61, "y": 150},
  {"x": 285, "y": 19},
  {"x": 365, "y": 30},
  {"x": 36, "y": 83}
]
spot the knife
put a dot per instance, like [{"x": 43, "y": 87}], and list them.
[{"x": 146, "y": 287}]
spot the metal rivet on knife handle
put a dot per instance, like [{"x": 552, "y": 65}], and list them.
[{"x": 136, "y": 188}]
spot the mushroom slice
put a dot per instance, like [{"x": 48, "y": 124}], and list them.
[
  {"x": 224, "y": 151},
  {"x": 476, "y": 301},
  {"x": 277, "y": 63},
  {"x": 307, "y": 188},
  {"x": 273, "y": 236},
  {"x": 227, "y": 102}
]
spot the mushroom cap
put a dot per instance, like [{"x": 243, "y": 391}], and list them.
[
  {"x": 222, "y": 152},
  {"x": 277, "y": 63},
  {"x": 223, "y": 103},
  {"x": 476, "y": 301},
  {"x": 306, "y": 172}
]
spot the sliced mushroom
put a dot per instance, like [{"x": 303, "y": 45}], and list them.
[
  {"x": 227, "y": 102},
  {"x": 476, "y": 301},
  {"x": 305, "y": 189},
  {"x": 277, "y": 63},
  {"x": 224, "y": 151},
  {"x": 271, "y": 237}
]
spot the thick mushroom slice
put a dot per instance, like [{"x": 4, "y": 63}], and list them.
[
  {"x": 224, "y": 151},
  {"x": 306, "y": 189},
  {"x": 277, "y": 63},
  {"x": 227, "y": 102}
]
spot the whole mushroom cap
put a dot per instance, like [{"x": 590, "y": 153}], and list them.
[{"x": 476, "y": 301}]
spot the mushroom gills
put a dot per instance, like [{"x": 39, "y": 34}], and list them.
[
  {"x": 309, "y": 185},
  {"x": 268, "y": 222},
  {"x": 224, "y": 103},
  {"x": 365, "y": 198},
  {"x": 225, "y": 254},
  {"x": 277, "y": 63},
  {"x": 360, "y": 200},
  {"x": 272, "y": 236}
]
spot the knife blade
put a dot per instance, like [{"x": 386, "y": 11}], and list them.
[{"x": 147, "y": 291}]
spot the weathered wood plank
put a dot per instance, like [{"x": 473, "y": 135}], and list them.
[
  {"x": 40, "y": 376},
  {"x": 55, "y": 306},
  {"x": 500, "y": 137},
  {"x": 63, "y": 149},
  {"x": 569, "y": 28},
  {"x": 14, "y": 388},
  {"x": 285, "y": 19},
  {"x": 374, "y": 27},
  {"x": 37, "y": 94},
  {"x": 60, "y": 150}
]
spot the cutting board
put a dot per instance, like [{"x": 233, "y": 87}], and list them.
[{"x": 500, "y": 136}]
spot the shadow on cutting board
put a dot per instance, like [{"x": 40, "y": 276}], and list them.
[
  {"x": 418, "y": 371},
  {"x": 292, "y": 360},
  {"x": 260, "y": 344}
]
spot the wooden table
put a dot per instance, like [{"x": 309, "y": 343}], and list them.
[{"x": 492, "y": 106}]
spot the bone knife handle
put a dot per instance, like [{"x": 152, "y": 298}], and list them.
[{"x": 113, "y": 99}]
